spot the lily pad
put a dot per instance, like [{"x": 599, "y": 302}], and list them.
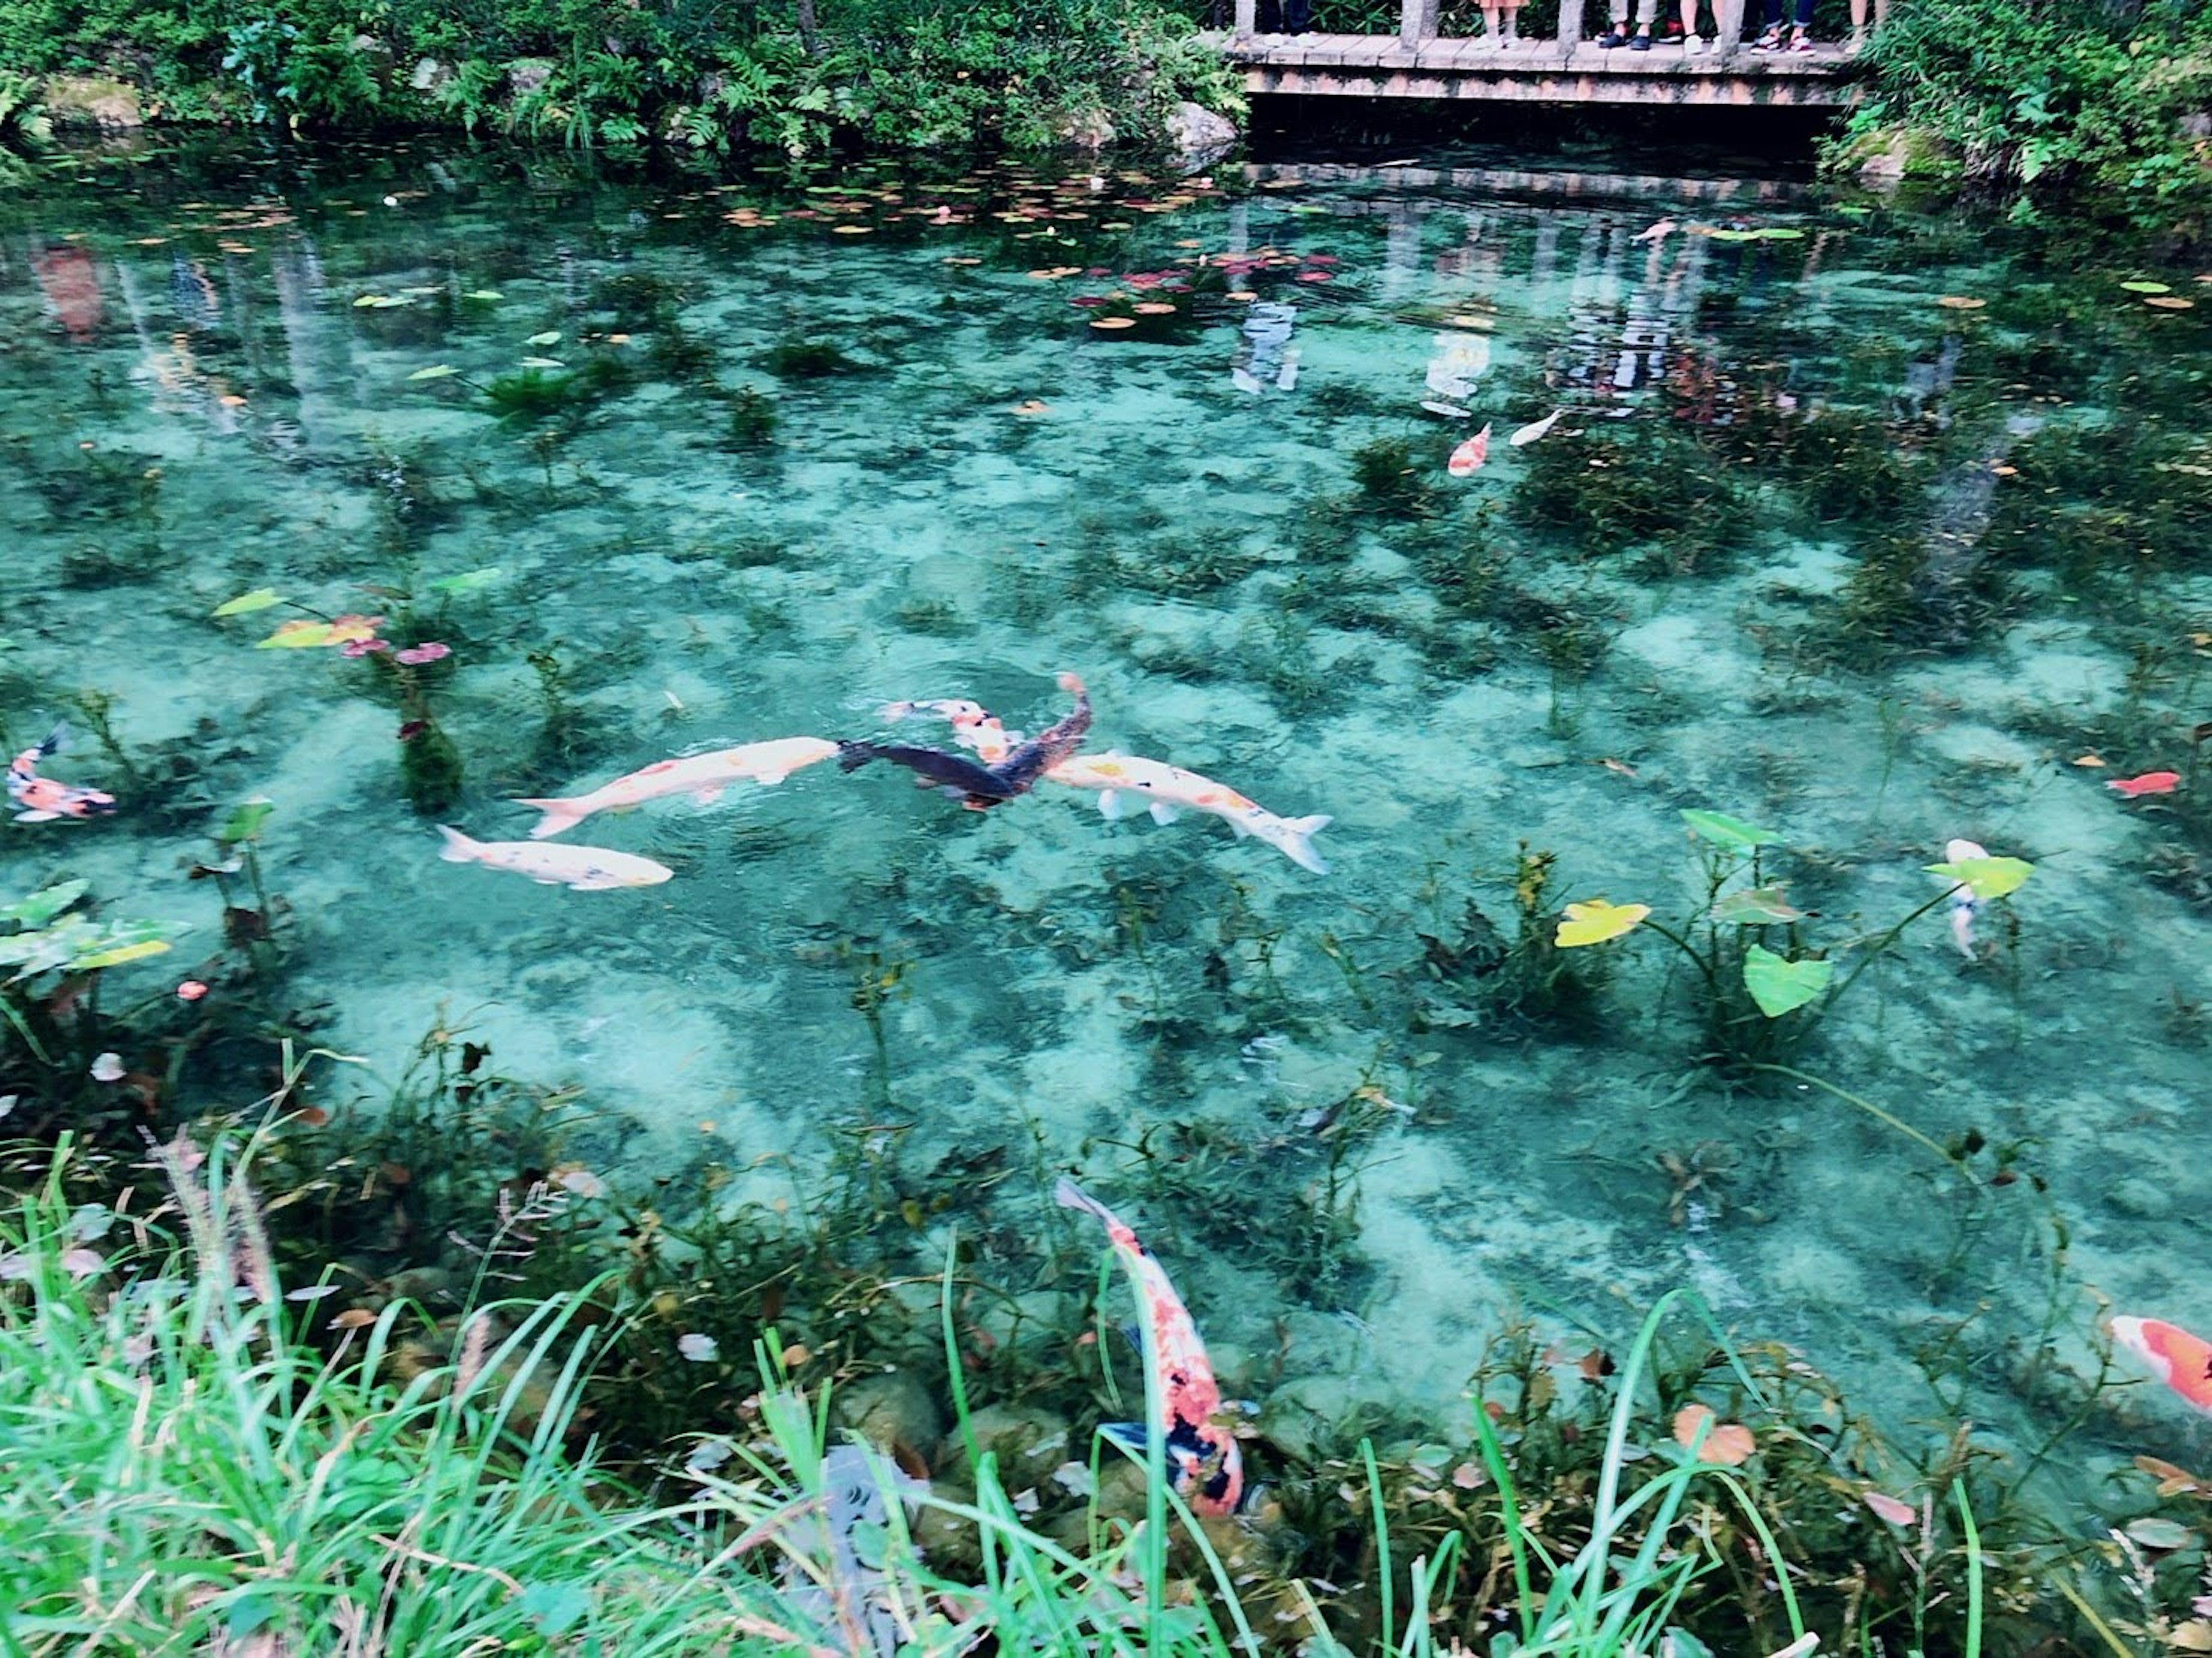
[
  {"x": 2143, "y": 287},
  {"x": 1733, "y": 833},
  {"x": 436, "y": 371},
  {"x": 245, "y": 820},
  {"x": 259, "y": 599},
  {"x": 42, "y": 906},
  {"x": 1778, "y": 985},
  {"x": 1988, "y": 878},
  {"x": 1758, "y": 907},
  {"x": 297, "y": 636},
  {"x": 2154, "y": 1532},
  {"x": 1593, "y": 921}
]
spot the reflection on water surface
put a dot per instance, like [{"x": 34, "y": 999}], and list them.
[{"x": 1868, "y": 530}]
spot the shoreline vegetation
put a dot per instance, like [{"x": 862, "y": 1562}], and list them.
[{"x": 2104, "y": 109}]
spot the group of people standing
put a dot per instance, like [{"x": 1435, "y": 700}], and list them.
[{"x": 1501, "y": 25}]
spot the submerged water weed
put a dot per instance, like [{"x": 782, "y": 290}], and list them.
[
  {"x": 1395, "y": 478},
  {"x": 1651, "y": 488},
  {"x": 1525, "y": 976},
  {"x": 752, "y": 420},
  {"x": 806, "y": 357}
]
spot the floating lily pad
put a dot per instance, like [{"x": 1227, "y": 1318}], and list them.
[
  {"x": 2143, "y": 287},
  {"x": 1593, "y": 921},
  {"x": 1759, "y": 906},
  {"x": 259, "y": 599},
  {"x": 549, "y": 337},
  {"x": 1777, "y": 984},
  {"x": 1733, "y": 833},
  {"x": 1988, "y": 877},
  {"x": 297, "y": 636},
  {"x": 437, "y": 371}
]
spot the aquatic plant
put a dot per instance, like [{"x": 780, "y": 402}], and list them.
[
  {"x": 1526, "y": 976},
  {"x": 752, "y": 421},
  {"x": 1652, "y": 489},
  {"x": 1396, "y": 477},
  {"x": 250, "y": 928},
  {"x": 805, "y": 356}
]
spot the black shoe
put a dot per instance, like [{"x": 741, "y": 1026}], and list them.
[
  {"x": 1641, "y": 43},
  {"x": 1611, "y": 38}
]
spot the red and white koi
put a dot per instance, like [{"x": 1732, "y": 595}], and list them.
[
  {"x": 43, "y": 800},
  {"x": 1467, "y": 459},
  {"x": 975, "y": 727},
  {"x": 1129, "y": 785},
  {"x": 1204, "y": 1462},
  {"x": 580, "y": 869},
  {"x": 2180, "y": 1360},
  {"x": 1965, "y": 906},
  {"x": 702, "y": 776}
]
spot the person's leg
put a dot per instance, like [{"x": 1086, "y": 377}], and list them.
[
  {"x": 1690, "y": 41},
  {"x": 1512, "y": 22},
  {"x": 1489, "y": 23},
  {"x": 1802, "y": 36},
  {"x": 1616, "y": 33},
  {"x": 1298, "y": 16}
]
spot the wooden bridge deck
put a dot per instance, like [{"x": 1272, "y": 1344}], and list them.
[{"x": 1418, "y": 63}]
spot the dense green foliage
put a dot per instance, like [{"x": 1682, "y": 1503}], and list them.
[
  {"x": 893, "y": 73},
  {"x": 2035, "y": 94}
]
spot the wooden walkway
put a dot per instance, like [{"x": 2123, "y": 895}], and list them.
[{"x": 1418, "y": 63}]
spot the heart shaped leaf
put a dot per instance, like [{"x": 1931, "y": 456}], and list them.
[
  {"x": 259, "y": 599},
  {"x": 1594, "y": 920},
  {"x": 42, "y": 906},
  {"x": 1988, "y": 877},
  {"x": 1778, "y": 985},
  {"x": 1757, "y": 906},
  {"x": 1732, "y": 833}
]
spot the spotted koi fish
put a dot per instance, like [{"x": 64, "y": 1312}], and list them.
[
  {"x": 2180, "y": 1360},
  {"x": 1128, "y": 784},
  {"x": 43, "y": 800},
  {"x": 1204, "y": 1462},
  {"x": 702, "y": 776}
]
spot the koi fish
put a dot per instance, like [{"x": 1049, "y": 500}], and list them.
[
  {"x": 974, "y": 725},
  {"x": 1535, "y": 430},
  {"x": 580, "y": 869},
  {"x": 702, "y": 776},
  {"x": 1658, "y": 230},
  {"x": 71, "y": 283},
  {"x": 2151, "y": 782},
  {"x": 1205, "y": 1461},
  {"x": 1467, "y": 459},
  {"x": 971, "y": 781},
  {"x": 1965, "y": 906},
  {"x": 2176, "y": 1358},
  {"x": 1129, "y": 785},
  {"x": 1029, "y": 760},
  {"x": 42, "y": 798}
]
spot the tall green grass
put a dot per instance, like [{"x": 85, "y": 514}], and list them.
[{"x": 187, "y": 1470}]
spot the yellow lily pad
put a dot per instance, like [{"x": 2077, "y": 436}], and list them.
[{"x": 1593, "y": 921}]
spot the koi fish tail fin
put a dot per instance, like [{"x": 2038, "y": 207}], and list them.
[
  {"x": 1073, "y": 685},
  {"x": 1068, "y": 1195},
  {"x": 51, "y": 743},
  {"x": 1298, "y": 844},
  {"x": 560, "y": 817},
  {"x": 459, "y": 848}
]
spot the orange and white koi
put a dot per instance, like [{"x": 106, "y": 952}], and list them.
[
  {"x": 1965, "y": 906},
  {"x": 580, "y": 869},
  {"x": 2180, "y": 1360},
  {"x": 973, "y": 726},
  {"x": 702, "y": 776},
  {"x": 43, "y": 800},
  {"x": 1204, "y": 1462},
  {"x": 1129, "y": 785},
  {"x": 1467, "y": 459}
]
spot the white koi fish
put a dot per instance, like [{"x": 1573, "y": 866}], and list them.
[
  {"x": 975, "y": 727},
  {"x": 1129, "y": 785},
  {"x": 580, "y": 869},
  {"x": 1535, "y": 430},
  {"x": 1964, "y": 905},
  {"x": 702, "y": 776}
]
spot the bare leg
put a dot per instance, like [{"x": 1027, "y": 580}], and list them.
[
  {"x": 1689, "y": 23},
  {"x": 1489, "y": 23}
]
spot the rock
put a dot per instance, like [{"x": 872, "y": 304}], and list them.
[
  {"x": 1198, "y": 136},
  {"x": 1087, "y": 129},
  {"x": 82, "y": 101},
  {"x": 2198, "y": 125},
  {"x": 2141, "y": 1199},
  {"x": 1028, "y": 1443},
  {"x": 895, "y": 1407},
  {"x": 430, "y": 75},
  {"x": 526, "y": 76}
]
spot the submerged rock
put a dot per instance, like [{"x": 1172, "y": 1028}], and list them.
[
  {"x": 1029, "y": 1444},
  {"x": 891, "y": 1410},
  {"x": 528, "y": 75},
  {"x": 1198, "y": 136}
]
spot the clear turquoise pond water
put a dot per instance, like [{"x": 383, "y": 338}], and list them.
[{"x": 1871, "y": 530}]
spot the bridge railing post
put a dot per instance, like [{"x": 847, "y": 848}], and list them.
[
  {"x": 1417, "y": 22},
  {"x": 1571, "y": 25},
  {"x": 1727, "y": 23},
  {"x": 1248, "y": 18}
]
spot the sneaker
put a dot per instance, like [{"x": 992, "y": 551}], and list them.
[
  {"x": 1770, "y": 41},
  {"x": 1692, "y": 45},
  {"x": 1641, "y": 43},
  {"x": 1613, "y": 38},
  {"x": 1671, "y": 29},
  {"x": 1803, "y": 42}
]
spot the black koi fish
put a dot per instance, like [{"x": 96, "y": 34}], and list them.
[
  {"x": 956, "y": 774},
  {"x": 1019, "y": 770}
]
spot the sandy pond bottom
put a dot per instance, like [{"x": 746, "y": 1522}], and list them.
[{"x": 213, "y": 381}]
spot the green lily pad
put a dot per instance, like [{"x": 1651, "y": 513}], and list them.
[
  {"x": 435, "y": 372},
  {"x": 1733, "y": 833},
  {"x": 259, "y": 599},
  {"x": 468, "y": 581},
  {"x": 550, "y": 337},
  {"x": 1988, "y": 877},
  {"x": 2141, "y": 287},
  {"x": 245, "y": 820},
  {"x": 1777, "y": 984},
  {"x": 42, "y": 906},
  {"x": 1759, "y": 906}
]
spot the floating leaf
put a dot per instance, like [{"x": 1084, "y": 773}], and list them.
[
  {"x": 297, "y": 636},
  {"x": 543, "y": 362},
  {"x": 550, "y": 337},
  {"x": 117, "y": 955},
  {"x": 42, "y": 906},
  {"x": 1960, "y": 302},
  {"x": 368, "y": 299},
  {"x": 1594, "y": 920},
  {"x": 1988, "y": 878},
  {"x": 1733, "y": 833},
  {"x": 259, "y": 599},
  {"x": 2139, "y": 286},
  {"x": 2153, "y": 1532},
  {"x": 485, "y": 294},
  {"x": 436, "y": 371},
  {"x": 245, "y": 821},
  {"x": 468, "y": 581},
  {"x": 1777, "y": 985},
  {"x": 1758, "y": 907}
]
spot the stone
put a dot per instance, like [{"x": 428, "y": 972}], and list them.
[
  {"x": 895, "y": 1407},
  {"x": 1028, "y": 1443},
  {"x": 82, "y": 101},
  {"x": 1087, "y": 129},
  {"x": 526, "y": 76},
  {"x": 1198, "y": 136},
  {"x": 430, "y": 73}
]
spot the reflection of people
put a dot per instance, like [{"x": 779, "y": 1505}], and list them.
[
  {"x": 1457, "y": 359},
  {"x": 1285, "y": 16},
  {"x": 1264, "y": 353}
]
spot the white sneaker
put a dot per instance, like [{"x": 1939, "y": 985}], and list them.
[{"x": 1692, "y": 45}]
